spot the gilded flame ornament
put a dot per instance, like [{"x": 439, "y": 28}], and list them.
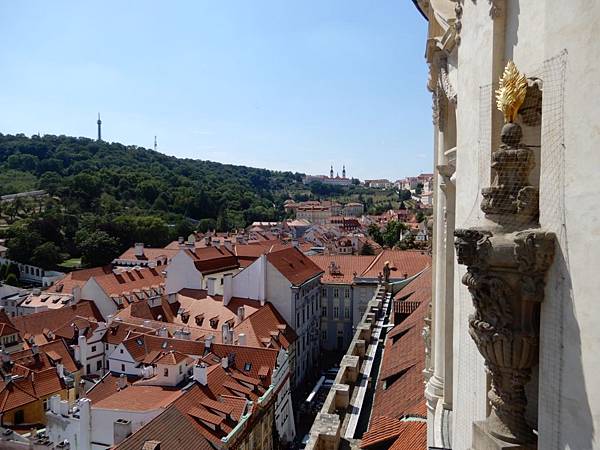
[{"x": 511, "y": 93}]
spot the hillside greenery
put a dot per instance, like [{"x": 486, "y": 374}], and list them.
[{"x": 103, "y": 197}]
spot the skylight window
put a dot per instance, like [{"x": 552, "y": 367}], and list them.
[{"x": 247, "y": 367}]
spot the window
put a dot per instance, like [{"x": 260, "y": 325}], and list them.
[
  {"x": 336, "y": 292},
  {"x": 93, "y": 348},
  {"x": 324, "y": 335},
  {"x": 122, "y": 367},
  {"x": 121, "y": 350},
  {"x": 336, "y": 312},
  {"x": 247, "y": 367},
  {"x": 346, "y": 293},
  {"x": 98, "y": 365},
  {"x": 346, "y": 313},
  {"x": 297, "y": 319},
  {"x": 180, "y": 370},
  {"x": 87, "y": 368},
  {"x": 19, "y": 416},
  {"x": 324, "y": 311},
  {"x": 166, "y": 372},
  {"x": 324, "y": 292},
  {"x": 46, "y": 405},
  {"x": 106, "y": 346}
]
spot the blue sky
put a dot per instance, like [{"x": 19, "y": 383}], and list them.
[{"x": 286, "y": 85}]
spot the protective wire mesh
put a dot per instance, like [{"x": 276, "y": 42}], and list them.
[
  {"x": 530, "y": 162},
  {"x": 542, "y": 142}
]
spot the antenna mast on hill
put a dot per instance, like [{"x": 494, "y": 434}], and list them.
[
  {"x": 99, "y": 128},
  {"x": 155, "y": 144}
]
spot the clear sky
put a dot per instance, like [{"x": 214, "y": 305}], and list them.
[{"x": 287, "y": 85}]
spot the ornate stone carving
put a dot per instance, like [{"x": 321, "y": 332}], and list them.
[
  {"x": 506, "y": 267},
  {"x": 495, "y": 9},
  {"x": 511, "y": 201},
  {"x": 505, "y": 276}
]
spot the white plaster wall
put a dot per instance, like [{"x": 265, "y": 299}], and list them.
[
  {"x": 250, "y": 282},
  {"x": 103, "y": 422},
  {"x": 279, "y": 294},
  {"x": 91, "y": 290},
  {"x": 182, "y": 273},
  {"x": 573, "y": 286}
]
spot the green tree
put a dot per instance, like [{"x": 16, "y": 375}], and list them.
[
  {"x": 97, "y": 248},
  {"x": 375, "y": 233},
  {"x": 46, "y": 255},
  {"x": 393, "y": 231},
  {"x": 3, "y": 271},
  {"x": 367, "y": 249},
  {"x": 11, "y": 280},
  {"x": 419, "y": 189}
]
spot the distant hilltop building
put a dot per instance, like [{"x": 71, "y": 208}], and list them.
[{"x": 337, "y": 180}]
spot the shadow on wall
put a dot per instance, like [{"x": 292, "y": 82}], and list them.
[{"x": 564, "y": 403}]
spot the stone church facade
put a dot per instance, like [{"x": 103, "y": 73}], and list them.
[{"x": 514, "y": 332}]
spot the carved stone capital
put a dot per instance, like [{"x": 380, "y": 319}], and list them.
[{"x": 505, "y": 277}]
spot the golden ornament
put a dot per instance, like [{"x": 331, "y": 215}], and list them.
[{"x": 511, "y": 93}]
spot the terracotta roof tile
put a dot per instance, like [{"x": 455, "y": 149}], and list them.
[
  {"x": 34, "y": 324},
  {"x": 341, "y": 269},
  {"x": 294, "y": 265}
]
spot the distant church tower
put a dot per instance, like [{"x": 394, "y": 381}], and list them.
[
  {"x": 344, "y": 171},
  {"x": 99, "y": 128},
  {"x": 331, "y": 172}
]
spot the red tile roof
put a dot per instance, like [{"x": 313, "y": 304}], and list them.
[
  {"x": 77, "y": 278},
  {"x": 127, "y": 280},
  {"x": 344, "y": 268},
  {"x": 406, "y": 263},
  {"x": 294, "y": 265},
  {"x": 399, "y": 389},
  {"x": 149, "y": 254},
  {"x": 47, "y": 357},
  {"x": 413, "y": 436},
  {"x": 262, "y": 323},
  {"x": 172, "y": 358},
  {"x": 212, "y": 259},
  {"x": 34, "y": 324},
  {"x": 174, "y": 430}
]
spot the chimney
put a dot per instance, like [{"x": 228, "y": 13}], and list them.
[
  {"x": 162, "y": 332},
  {"x": 228, "y": 245},
  {"x": 207, "y": 241},
  {"x": 227, "y": 288},
  {"x": 138, "y": 249},
  {"x": 60, "y": 370},
  {"x": 122, "y": 383},
  {"x": 180, "y": 240},
  {"x": 147, "y": 323},
  {"x": 241, "y": 313},
  {"x": 122, "y": 429},
  {"x": 208, "y": 342},
  {"x": 211, "y": 286},
  {"x": 191, "y": 241},
  {"x": 200, "y": 374},
  {"x": 226, "y": 334},
  {"x": 295, "y": 243},
  {"x": 36, "y": 291},
  {"x": 64, "y": 408},
  {"x": 54, "y": 402},
  {"x": 225, "y": 362},
  {"x": 241, "y": 339},
  {"x": 35, "y": 349},
  {"x": 76, "y": 294},
  {"x": 217, "y": 243}
]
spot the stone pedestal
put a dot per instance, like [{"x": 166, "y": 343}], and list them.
[{"x": 484, "y": 440}]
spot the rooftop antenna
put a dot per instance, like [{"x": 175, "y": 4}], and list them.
[{"x": 155, "y": 144}]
